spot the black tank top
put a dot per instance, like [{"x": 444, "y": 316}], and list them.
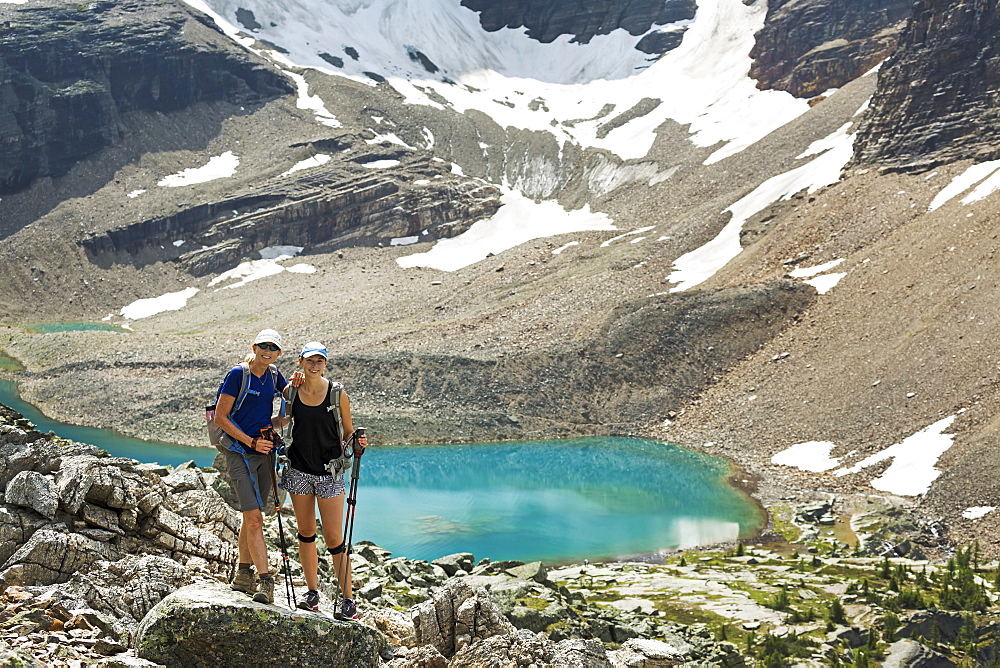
[{"x": 314, "y": 436}]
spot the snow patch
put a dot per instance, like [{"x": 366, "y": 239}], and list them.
[
  {"x": 963, "y": 182},
  {"x": 975, "y": 512},
  {"x": 809, "y": 456},
  {"x": 218, "y": 167},
  {"x": 404, "y": 241},
  {"x": 380, "y": 164},
  {"x": 640, "y": 230},
  {"x": 316, "y": 161},
  {"x": 697, "y": 266},
  {"x": 806, "y": 272},
  {"x": 144, "y": 308},
  {"x": 912, "y": 470},
  {"x": 825, "y": 283},
  {"x": 559, "y": 250},
  {"x": 135, "y": 193},
  {"x": 518, "y": 221}
]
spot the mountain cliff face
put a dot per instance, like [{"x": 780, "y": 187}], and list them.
[
  {"x": 939, "y": 95},
  {"x": 71, "y": 70},
  {"x": 808, "y": 47},
  {"x": 546, "y": 20}
]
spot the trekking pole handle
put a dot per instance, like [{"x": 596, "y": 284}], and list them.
[{"x": 358, "y": 448}]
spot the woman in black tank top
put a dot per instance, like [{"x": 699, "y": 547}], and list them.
[{"x": 316, "y": 441}]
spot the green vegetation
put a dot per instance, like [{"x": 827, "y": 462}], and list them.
[{"x": 805, "y": 601}]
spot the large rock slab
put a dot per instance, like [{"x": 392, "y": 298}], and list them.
[{"x": 210, "y": 625}]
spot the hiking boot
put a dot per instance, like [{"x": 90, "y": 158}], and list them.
[
  {"x": 310, "y": 601},
  {"x": 265, "y": 589},
  {"x": 243, "y": 581},
  {"x": 347, "y": 610}
]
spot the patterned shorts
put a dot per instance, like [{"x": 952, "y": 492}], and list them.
[{"x": 322, "y": 486}]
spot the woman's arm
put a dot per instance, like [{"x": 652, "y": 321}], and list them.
[
  {"x": 345, "y": 415},
  {"x": 222, "y": 409}
]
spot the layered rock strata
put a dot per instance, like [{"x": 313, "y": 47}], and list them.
[
  {"x": 809, "y": 47},
  {"x": 938, "y": 98},
  {"x": 331, "y": 206}
]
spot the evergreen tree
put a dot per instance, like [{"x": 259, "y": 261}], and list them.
[
  {"x": 837, "y": 613},
  {"x": 959, "y": 589},
  {"x": 890, "y": 624}
]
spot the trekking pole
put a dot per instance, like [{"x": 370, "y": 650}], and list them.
[
  {"x": 352, "y": 503},
  {"x": 271, "y": 435}
]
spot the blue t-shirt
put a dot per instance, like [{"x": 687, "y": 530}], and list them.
[{"x": 258, "y": 405}]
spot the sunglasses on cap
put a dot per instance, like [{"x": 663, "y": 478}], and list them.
[{"x": 268, "y": 346}]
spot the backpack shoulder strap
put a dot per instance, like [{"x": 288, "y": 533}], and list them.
[
  {"x": 274, "y": 377},
  {"x": 335, "y": 390},
  {"x": 244, "y": 386}
]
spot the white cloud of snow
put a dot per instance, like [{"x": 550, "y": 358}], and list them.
[
  {"x": 144, "y": 308},
  {"x": 218, "y": 167},
  {"x": 518, "y": 221}
]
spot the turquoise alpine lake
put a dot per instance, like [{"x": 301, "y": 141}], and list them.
[
  {"x": 555, "y": 501},
  {"x": 106, "y": 439},
  {"x": 50, "y": 327}
]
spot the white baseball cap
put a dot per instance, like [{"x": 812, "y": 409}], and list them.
[{"x": 268, "y": 336}]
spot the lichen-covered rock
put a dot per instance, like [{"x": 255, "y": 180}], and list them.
[
  {"x": 210, "y": 625},
  {"x": 30, "y": 489},
  {"x": 51, "y": 556},
  {"x": 452, "y": 563},
  {"x": 456, "y": 616},
  {"x": 11, "y": 658},
  {"x": 128, "y": 589},
  {"x": 646, "y": 653}
]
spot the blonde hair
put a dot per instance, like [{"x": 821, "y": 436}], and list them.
[{"x": 250, "y": 358}]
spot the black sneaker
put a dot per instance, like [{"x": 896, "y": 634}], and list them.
[
  {"x": 347, "y": 610},
  {"x": 310, "y": 601}
]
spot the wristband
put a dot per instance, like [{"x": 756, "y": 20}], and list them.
[{"x": 253, "y": 442}]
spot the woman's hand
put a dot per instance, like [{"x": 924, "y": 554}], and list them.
[
  {"x": 261, "y": 445},
  {"x": 363, "y": 440}
]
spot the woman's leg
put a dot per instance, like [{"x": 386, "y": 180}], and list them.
[
  {"x": 332, "y": 513},
  {"x": 304, "y": 506}
]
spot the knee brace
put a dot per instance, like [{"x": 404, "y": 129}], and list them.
[
  {"x": 307, "y": 539},
  {"x": 337, "y": 550}
]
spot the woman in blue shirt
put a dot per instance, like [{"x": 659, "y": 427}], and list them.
[{"x": 247, "y": 460}]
